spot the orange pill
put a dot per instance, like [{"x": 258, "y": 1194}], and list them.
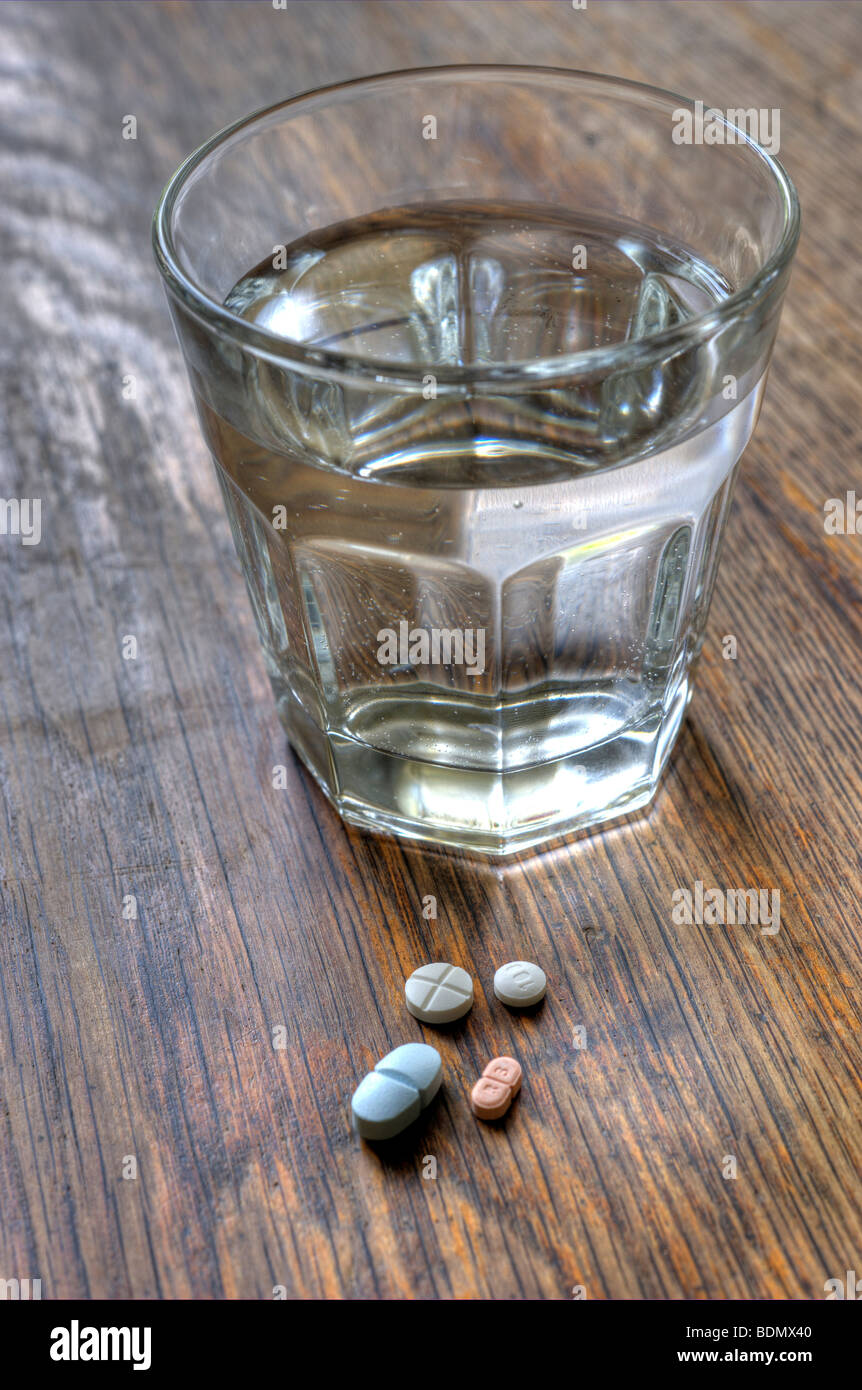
[
  {"x": 490, "y": 1099},
  {"x": 507, "y": 1070},
  {"x": 493, "y": 1093}
]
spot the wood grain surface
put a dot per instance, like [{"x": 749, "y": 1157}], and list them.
[{"x": 151, "y": 1037}]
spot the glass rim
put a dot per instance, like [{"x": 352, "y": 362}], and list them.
[{"x": 628, "y": 354}]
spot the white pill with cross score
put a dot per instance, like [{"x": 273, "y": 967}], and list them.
[
  {"x": 520, "y": 983},
  {"x": 439, "y": 992}
]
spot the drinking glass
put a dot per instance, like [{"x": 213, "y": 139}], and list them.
[{"x": 476, "y": 352}]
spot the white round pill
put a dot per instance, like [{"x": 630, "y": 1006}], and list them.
[
  {"x": 520, "y": 983},
  {"x": 439, "y": 992}
]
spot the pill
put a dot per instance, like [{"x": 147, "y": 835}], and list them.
[
  {"x": 505, "y": 1070},
  {"x": 393, "y": 1095},
  {"x": 496, "y": 1088},
  {"x": 520, "y": 983},
  {"x": 490, "y": 1099},
  {"x": 439, "y": 993}
]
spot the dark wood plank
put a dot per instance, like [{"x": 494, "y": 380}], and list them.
[{"x": 153, "y": 1037}]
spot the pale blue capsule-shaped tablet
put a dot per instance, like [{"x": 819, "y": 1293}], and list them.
[
  {"x": 418, "y": 1065},
  {"x": 392, "y": 1096}
]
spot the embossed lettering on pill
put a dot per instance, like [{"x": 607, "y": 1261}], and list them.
[
  {"x": 496, "y": 1088},
  {"x": 520, "y": 983},
  {"x": 505, "y": 1070}
]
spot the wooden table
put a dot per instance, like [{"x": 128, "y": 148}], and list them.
[{"x": 145, "y": 1042}]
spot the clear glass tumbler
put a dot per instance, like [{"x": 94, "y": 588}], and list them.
[{"x": 476, "y": 351}]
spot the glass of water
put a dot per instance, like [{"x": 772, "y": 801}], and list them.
[{"x": 476, "y": 352}]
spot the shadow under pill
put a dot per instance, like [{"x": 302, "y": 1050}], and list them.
[
  {"x": 501, "y": 1122},
  {"x": 403, "y": 1148},
  {"x": 528, "y": 1010},
  {"x": 451, "y": 1029}
]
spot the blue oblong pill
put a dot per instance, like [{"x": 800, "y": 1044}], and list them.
[
  {"x": 383, "y": 1105},
  {"x": 417, "y": 1063}
]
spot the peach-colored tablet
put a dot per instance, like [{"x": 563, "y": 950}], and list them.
[
  {"x": 493, "y": 1093},
  {"x": 507, "y": 1070}
]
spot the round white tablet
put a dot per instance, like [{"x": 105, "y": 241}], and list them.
[
  {"x": 439, "y": 992},
  {"x": 520, "y": 983}
]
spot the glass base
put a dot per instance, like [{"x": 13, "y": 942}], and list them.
[{"x": 487, "y": 812}]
